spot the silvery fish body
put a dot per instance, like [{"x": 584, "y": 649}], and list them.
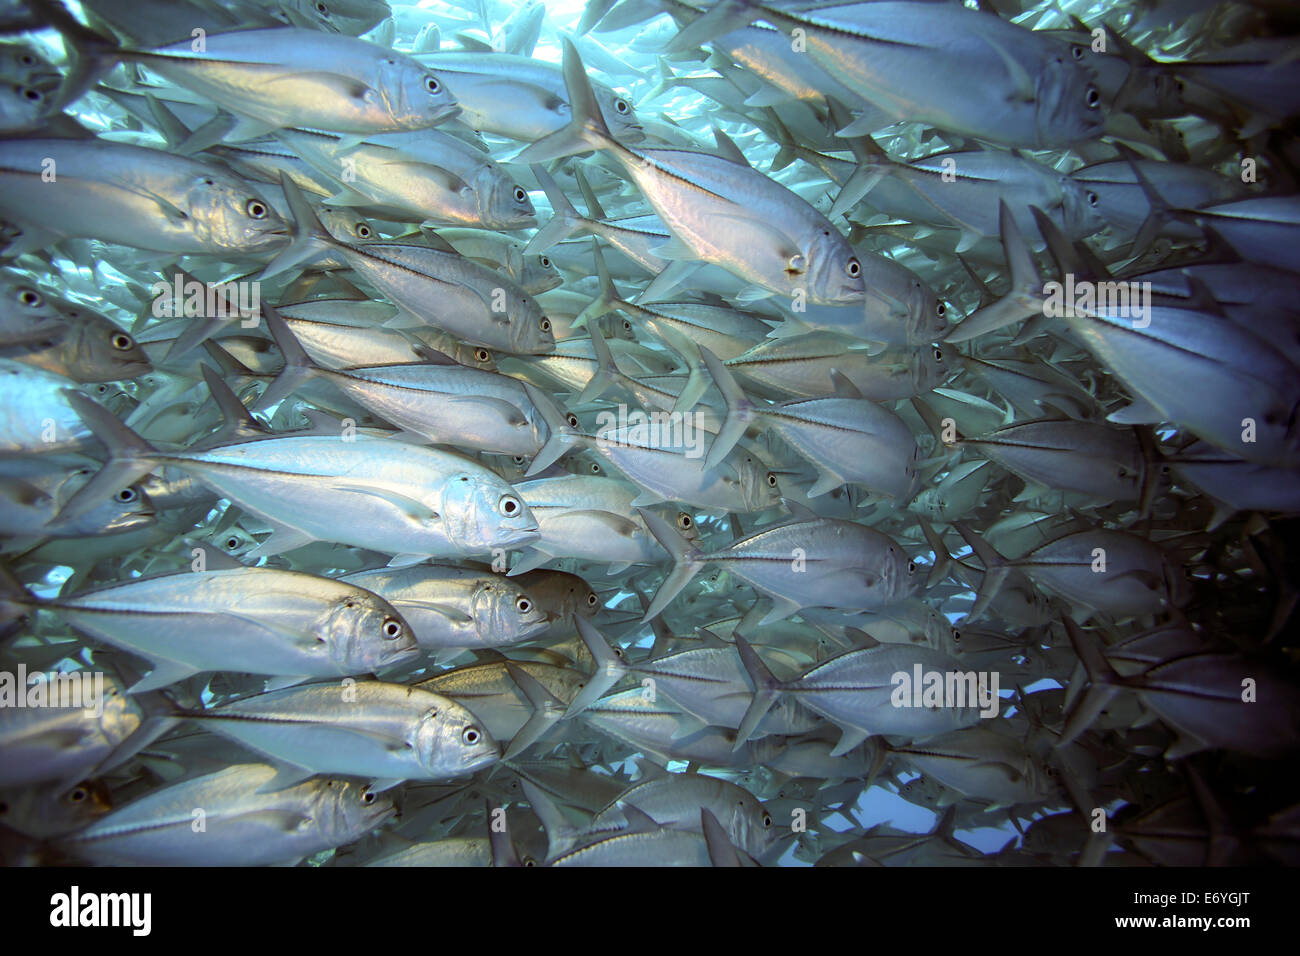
[
  {"x": 242, "y": 826},
  {"x": 145, "y": 198},
  {"x": 359, "y": 728}
]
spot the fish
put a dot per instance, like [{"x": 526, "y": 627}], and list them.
[
  {"x": 279, "y": 827},
  {"x": 257, "y": 620}
]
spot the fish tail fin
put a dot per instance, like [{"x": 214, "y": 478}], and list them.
[
  {"x": 787, "y": 150},
  {"x": 740, "y": 410},
  {"x": 607, "y": 373},
  {"x": 239, "y": 424},
  {"x": 298, "y": 366},
  {"x": 310, "y": 237},
  {"x": 942, "y": 559},
  {"x": 15, "y": 600},
  {"x": 1025, "y": 297},
  {"x": 594, "y": 208},
  {"x": 667, "y": 80},
  {"x": 996, "y": 570},
  {"x": 608, "y": 300},
  {"x": 560, "y": 834},
  {"x": 1161, "y": 212},
  {"x": 564, "y": 223},
  {"x": 609, "y": 669},
  {"x": 561, "y": 434},
  {"x": 1104, "y": 684},
  {"x": 502, "y": 848},
  {"x": 92, "y": 54},
  {"x": 586, "y": 131},
  {"x": 686, "y": 562},
  {"x": 130, "y": 457},
  {"x": 697, "y": 380},
  {"x": 766, "y": 690}
]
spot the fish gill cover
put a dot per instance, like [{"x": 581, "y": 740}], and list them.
[{"x": 649, "y": 432}]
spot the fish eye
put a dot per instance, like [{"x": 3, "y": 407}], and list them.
[
  {"x": 126, "y": 495},
  {"x": 519, "y": 459},
  {"x": 767, "y": 821},
  {"x": 121, "y": 341},
  {"x": 27, "y": 60},
  {"x": 232, "y": 542},
  {"x": 627, "y": 326},
  {"x": 546, "y": 263},
  {"x": 684, "y": 521},
  {"x": 367, "y": 796},
  {"x": 621, "y": 106},
  {"x": 482, "y": 354},
  {"x": 432, "y": 85},
  {"x": 545, "y": 324},
  {"x": 256, "y": 208},
  {"x": 31, "y": 95},
  {"x": 78, "y": 794},
  {"x": 321, "y": 8},
  {"x": 940, "y": 309},
  {"x": 938, "y": 354},
  {"x": 1092, "y": 199},
  {"x": 1078, "y": 52},
  {"x": 591, "y": 601},
  {"x": 1092, "y": 98},
  {"x": 523, "y": 605},
  {"x": 956, "y": 635},
  {"x": 529, "y": 861},
  {"x": 392, "y": 628},
  {"x": 595, "y": 468},
  {"x": 771, "y": 480},
  {"x": 362, "y": 231},
  {"x": 509, "y": 506},
  {"x": 31, "y": 297},
  {"x": 1123, "y": 472},
  {"x": 520, "y": 195},
  {"x": 470, "y": 735},
  {"x": 853, "y": 268},
  {"x": 572, "y": 420},
  {"x": 911, "y": 567}
]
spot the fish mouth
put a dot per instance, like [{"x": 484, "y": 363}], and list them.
[{"x": 403, "y": 656}]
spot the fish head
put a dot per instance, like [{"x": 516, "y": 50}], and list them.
[
  {"x": 1068, "y": 103},
  {"x": 26, "y": 309},
  {"x": 350, "y": 809},
  {"x": 751, "y": 827},
  {"x": 927, "y": 315},
  {"x": 1081, "y": 209},
  {"x": 931, "y": 367},
  {"x": 759, "y": 488},
  {"x": 899, "y": 576},
  {"x": 502, "y": 202},
  {"x": 481, "y": 511},
  {"x": 21, "y": 64},
  {"x": 104, "y": 353},
  {"x": 507, "y": 612},
  {"x": 364, "y": 634},
  {"x": 121, "y": 716},
  {"x": 126, "y": 509},
  {"x": 229, "y": 214},
  {"x": 540, "y": 274},
  {"x": 835, "y": 274},
  {"x": 619, "y": 115},
  {"x": 531, "y": 332},
  {"x": 22, "y": 107},
  {"x": 345, "y": 224},
  {"x": 416, "y": 97},
  {"x": 451, "y": 741}
]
